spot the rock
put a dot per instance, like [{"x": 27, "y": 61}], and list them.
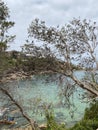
[
  {"x": 13, "y": 76},
  {"x": 43, "y": 127}
]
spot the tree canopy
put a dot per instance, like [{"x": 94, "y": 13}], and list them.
[
  {"x": 74, "y": 43},
  {"x": 5, "y": 25}
]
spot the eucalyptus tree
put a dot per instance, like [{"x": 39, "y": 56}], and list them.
[
  {"x": 5, "y": 25},
  {"x": 74, "y": 44}
]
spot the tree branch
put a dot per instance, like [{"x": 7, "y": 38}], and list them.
[{"x": 32, "y": 122}]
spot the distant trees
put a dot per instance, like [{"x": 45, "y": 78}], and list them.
[{"x": 5, "y": 25}]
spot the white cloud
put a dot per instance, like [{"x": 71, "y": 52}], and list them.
[{"x": 54, "y": 12}]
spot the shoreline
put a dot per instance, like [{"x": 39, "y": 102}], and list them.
[{"x": 19, "y": 75}]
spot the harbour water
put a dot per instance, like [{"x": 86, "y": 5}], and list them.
[{"x": 38, "y": 93}]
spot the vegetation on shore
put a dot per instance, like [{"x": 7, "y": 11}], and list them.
[
  {"x": 14, "y": 61},
  {"x": 89, "y": 121}
]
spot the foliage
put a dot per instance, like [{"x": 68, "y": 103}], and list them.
[
  {"x": 91, "y": 113},
  {"x": 78, "y": 37},
  {"x": 6, "y": 63},
  {"x": 90, "y": 120},
  {"x": 51, "y": 123},
  {"x": 17, "y": 61},
  {"x": 73, "y": 44},
  {"x": 86, "y": 125},
  {"x": 39, "y": 64},
  {"x": 5, "y": 25}
]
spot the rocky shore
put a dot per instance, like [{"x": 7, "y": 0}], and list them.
[
  {"x": 11, "y": 75},
  {"x": 14, "y": 76}
]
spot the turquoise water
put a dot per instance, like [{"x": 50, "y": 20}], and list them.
[{"x": 36, "y": 93}]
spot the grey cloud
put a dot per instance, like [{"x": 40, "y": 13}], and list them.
[{"x": 54, "y": 12}]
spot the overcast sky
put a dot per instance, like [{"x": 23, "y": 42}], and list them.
[{"x": 54, "y": 12}]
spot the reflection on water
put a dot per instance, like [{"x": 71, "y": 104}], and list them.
[{"x": 36, "y": 92}]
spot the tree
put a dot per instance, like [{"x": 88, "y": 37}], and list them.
[
  {"x": 74, "y": 44},
  {"x": 5, "y": 37},
  {"x": 5, "y": 25},
  {"x": 7, "y": 93}
]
